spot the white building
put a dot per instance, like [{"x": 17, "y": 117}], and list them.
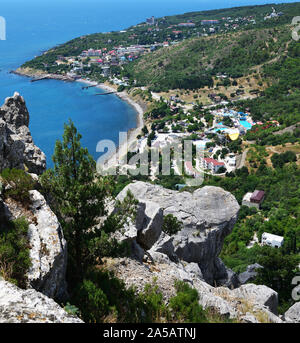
[
  {"x": 272, "y": 240},
  {"x": 212, "y": 164},
  {"x": 231, "y": 160}
]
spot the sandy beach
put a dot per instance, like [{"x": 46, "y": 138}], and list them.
[
  {"x": 131, "y": 134},
  {"x": 123, "y": 148}
]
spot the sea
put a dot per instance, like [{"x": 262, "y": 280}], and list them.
[{"x": 34, "y": 26}]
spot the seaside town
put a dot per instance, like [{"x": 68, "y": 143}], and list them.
[
  {"x": 215, "y": 128},
  {"x": 151, "y": 175},
  {"x": 158, "y": 33}
]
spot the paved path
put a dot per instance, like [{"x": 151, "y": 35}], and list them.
[{"x": 241, "y": 163}]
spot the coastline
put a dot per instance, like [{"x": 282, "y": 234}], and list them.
[{"x": 122, "y": 148}]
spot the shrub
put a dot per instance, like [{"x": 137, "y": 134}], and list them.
[
  {"x": 171, "y": 225},
  {"x": 71, "y": 309},
  {"x": 153, "y": 303},
  {"x": 185, "y": 304},
  {"x": 121, "y": 88},
  {"x": 93, "y": 301},
  {"x": 102, "y": 296},
  {"x": 19, "y": 182},
  {"x": 14, "y": 251}
]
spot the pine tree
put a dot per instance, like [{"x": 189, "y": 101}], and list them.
[{"x": 78, "y": 195}]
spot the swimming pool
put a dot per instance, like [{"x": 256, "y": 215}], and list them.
[{"x": 246, "y": 124}]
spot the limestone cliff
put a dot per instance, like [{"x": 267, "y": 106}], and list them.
[
  {"x": 48, "y": 251},
  {"x": 17, "y": 149},
  {"x": 191, "y": 255},
  {"x": 208, "y": 216}
]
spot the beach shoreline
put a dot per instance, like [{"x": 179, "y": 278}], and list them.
[{"x": 122, "y": 148}]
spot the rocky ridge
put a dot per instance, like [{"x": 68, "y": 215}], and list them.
[
  {"x": 48, "y": 251},
  {"x": 191, "y": 255},
  {"x": 29, "y": 306},
  {"x": 208, "y": 216}
]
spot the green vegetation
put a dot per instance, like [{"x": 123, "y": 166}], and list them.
[
  {"x": 78, "y": 194},
  {"x": 278, "y": 160},
  {"x": 279, "y": 269},
  {"x": 280, "y": 101},
  {"x": 14, "y": 251},
  {"x": 18, "y": 184},
  {"x": 279, "y": 215},
  {"x": 185, "y": 304},
  {"x": 171, "y": 224},
  {"x": 104, "y": 298},
  {"x": 192, "y": 63}
]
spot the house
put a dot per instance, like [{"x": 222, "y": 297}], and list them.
[
  {"x": 212, "y": 164},
  {"x": 209, "y": 22},
  {"x": 215, "y": 97},
  {"x": 231, "y": 161},
  {"x": 105, "y": 70},
  {"x": 150, "y": 21},
  {"x": 253, "y": 199},
  {"x": 272, "y": 240},
  {"x": 187, "y": 24}
]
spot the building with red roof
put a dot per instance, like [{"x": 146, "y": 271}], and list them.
[
  {"x": 253, "y": 199},
  {"x": 212, "y": 164}
]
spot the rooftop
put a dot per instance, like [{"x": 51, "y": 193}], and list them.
[
  {"x": 214, "y": 162},
  {"x": 257, "y": 195},
  {"x": 270, "y": 236}
]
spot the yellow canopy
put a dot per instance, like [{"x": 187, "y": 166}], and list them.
[{"x": 234, "y": 136}]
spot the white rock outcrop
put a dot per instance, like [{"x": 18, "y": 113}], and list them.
[
  {"x": 208, "y": 216},
  {"x": 29, "y": 306},
  {"x": 292, "y": 315},
  {"x": 48, "y": 251},
  {"x": 17, "y": 149}
]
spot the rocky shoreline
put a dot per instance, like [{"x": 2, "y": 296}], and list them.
[{"x": 39, "y": 75}]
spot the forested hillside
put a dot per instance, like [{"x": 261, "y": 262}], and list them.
[{"x": 192, "y": 63}]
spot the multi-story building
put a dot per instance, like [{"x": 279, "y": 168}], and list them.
[{"x": 212, "y": 164}]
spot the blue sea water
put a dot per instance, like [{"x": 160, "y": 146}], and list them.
[{"x": 34, "y": 26}]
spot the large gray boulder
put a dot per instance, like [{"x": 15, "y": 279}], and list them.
[
  {"x": 164, "y": 245},
  {"x": 48, "y": 251},
  {"x": 149, "y": 224},
  {"x": 258, "y": 294},
  {"x": 17, "y": 149},
  {"x": 208, "y": 216},
  {"x": 248, "y": 303},
  {"x": 292, "y": 315},
  {"x": 249, "y": 274},
  {"x": 225, "y": 276},
  {"x": 29, "y": 306}
]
